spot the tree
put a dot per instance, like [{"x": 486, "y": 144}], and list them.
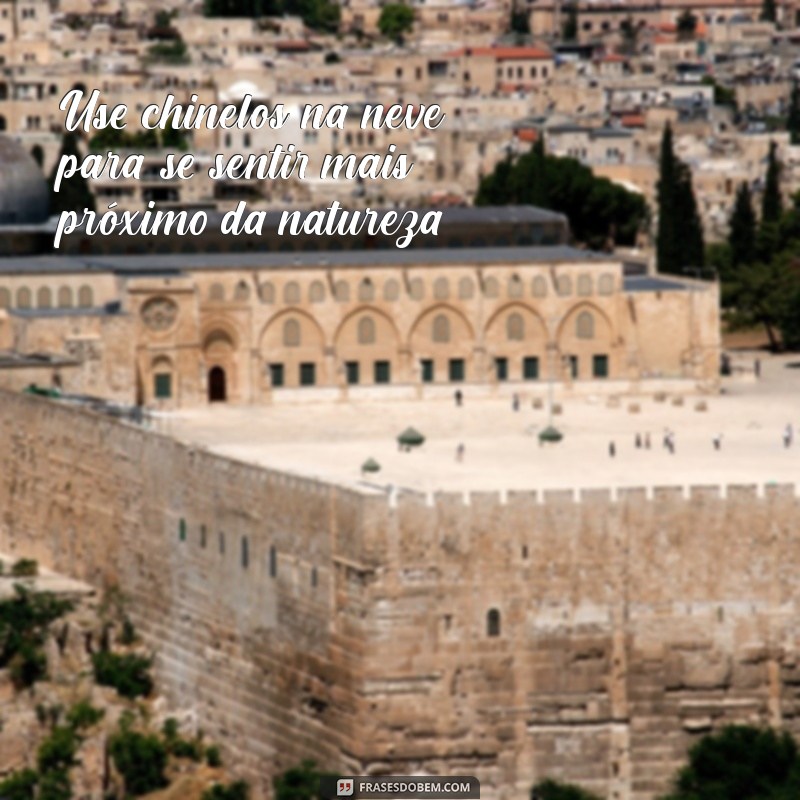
[
  {"x": 679, "y": 239},
  {"x": 793, "y": 116},
  {"x": 74, "y": 193},
  {"x": 520, "y": 23},
  {"x": 771, "y": 202},
  {"x": 769, "y": 11},
  {"x": 667, "y": 248},
  {"x": 686, "y": 26},
  {"x": 38, "y": 155},
  {"x": 768, "y": 242},
  {"x": 597, "y": 209},
  {"x": 689, "y": 217},
  {"x": 740, "y": 762},
  {"x": 630, "y": 34},
  {"x": 553, "y": 790},
  {"x": 569, "y": 30},
  {"x": 299, "y": 783},
  {"x": 742, "y": 234},
  {"x": 395, "y": 20}
]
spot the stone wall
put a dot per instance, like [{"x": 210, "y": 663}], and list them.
[{"x": 628, "y": 623}]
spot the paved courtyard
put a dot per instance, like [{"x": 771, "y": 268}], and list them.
[{"x": 330, "y": 441}]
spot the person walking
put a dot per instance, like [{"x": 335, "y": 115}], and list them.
[
  {"x": 515, "y": 402},
  {"x": 459, "y": 397},
  {"x": 612, "y": 450},
  {"x": 788, "y": 435},
  {"x": 638, "y": 441},
  {"x": 460, "y": 453},
  {"x": 717, "y": 440}
]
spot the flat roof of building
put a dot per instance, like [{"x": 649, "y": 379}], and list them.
[{"x": 176, "y": 262}]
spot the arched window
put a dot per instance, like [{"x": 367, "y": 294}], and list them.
[
  {"x": 65, "y": 297},
  {"x": 291, "y": 293},
  {"x": 441, "y": 289},
  {"x": 291, "y": 333},
  {"x": 515, "y": 327},
  {"x": 416, "y": 289},
  {"x": 564, "y": 285},
  {"x": 584, "y": 285},
  {"x": 85, "y": 297},
  {"x": 441, "y": 329},
  {"x": 221, "y": 542},
  {"x": 366, "y": 291},
  {"x": 391, "y": 290},
  {"x": 242, "y": 292},
  {"x": 491, "y": 288},
  {"x": 245, "y": 553},
  {"x": 466, "y": 289},
  {"x": 514, "y": 286},
  {"x": 316, "y": 292},
  {"x": 182, "y": 529},
  {"x": 3, "y": 124},
  {"x": 606, "y": 284},
  {"x": 366, "y": 331},
  {"x": 267, "y": 293},
  {"x": 493, "y": 622},
  {"x": 23, "y": 297},
  {"x": 203, "y": 536},
  {"x": 44, "y": 298},
  {"x": 343, "y": 291},
  {"x": 216, "y": 293},
  {"x": 5, "y": 298},
  {"x": 584, "y": 325},
  {"x": 539, "y": 286}
]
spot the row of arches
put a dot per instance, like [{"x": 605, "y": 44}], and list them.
[
  {"x": 441, "y": 325},
  {"x": 45, "y": 297},
  {"x": 442, "y": 289},
  {"x": 441, "y": 346}
]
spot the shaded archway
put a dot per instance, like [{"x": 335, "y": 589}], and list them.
[
  {"x": 292, "y": 348},
  {"x": 217, "y": 387},
  {"x": 516, "y": 344},
  {"x": 586, "y": 343},
  {"x": 442, "y": 342},
  {"x": 367, "y": 347},
  {"x": 219, "y": 354}
]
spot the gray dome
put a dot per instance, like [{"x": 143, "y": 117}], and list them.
[{"x": 24, "y": 195}]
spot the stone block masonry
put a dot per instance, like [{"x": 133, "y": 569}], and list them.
[{"x": 589, "y": 636}]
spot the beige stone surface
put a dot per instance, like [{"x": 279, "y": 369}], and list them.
[{"x": 302, "y": 619}]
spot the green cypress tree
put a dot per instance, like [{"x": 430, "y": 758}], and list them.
[
  {"x": 74, "y": 193},
  {"x": 569, "y": 30},
  {"x": 793, "y": 117},
  {"x": 692, "y": 248},
  {"x": 742, "y": 234},
  {"x": 771, "y": 202},
  {"x": 667, "y": 253},
  {"x": 769, "y": 11}
]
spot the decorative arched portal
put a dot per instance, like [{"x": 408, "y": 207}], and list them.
[
  {"x": 367, "y": 348},
  {"x": 516, "y": 343},
  {"x": 586, "y": 343},
  {"x": 292, "y": 349},
  {"x": 442, "y": 342},
  {"x": 217, "y": 388},
  {"x": 219, "y": 354}
]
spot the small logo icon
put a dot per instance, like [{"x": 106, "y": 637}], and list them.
[{"x": 344, "y": 787}]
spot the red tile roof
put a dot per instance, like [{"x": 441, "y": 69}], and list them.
[{"x": 503, "y": 53}]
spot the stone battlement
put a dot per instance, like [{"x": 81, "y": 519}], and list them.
[{"x": 584, "y": 635}]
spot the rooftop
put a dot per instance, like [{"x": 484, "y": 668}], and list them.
[{"x": 174, "y": 263}]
